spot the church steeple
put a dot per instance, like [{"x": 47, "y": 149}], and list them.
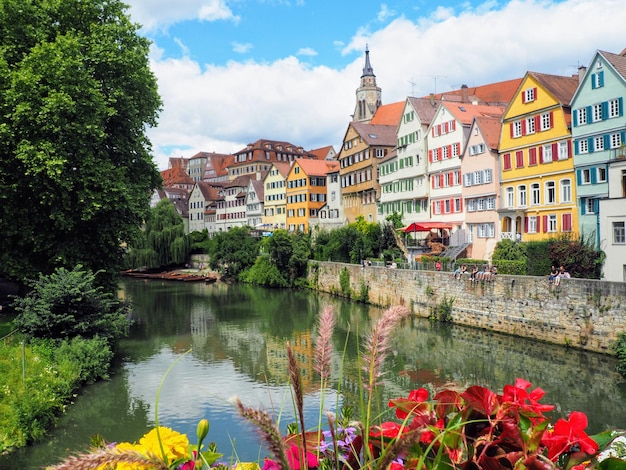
[{"x": 368, "y": 94}]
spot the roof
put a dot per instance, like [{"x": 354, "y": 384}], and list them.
[
  {"x": 376, "y": 135},
  {"x": 466, "y": 112},
  {"x": 426, "y": 108},
  {"x": 618, "y": 61},
  {"x": 561, "y": 87},
  {"x": 490, "y": 128},
  {"x": 318, "y": 167},
  {"x": 176, "y": 176},
  {"x": 323, "y": 152},
  {"x": 388, "y": 114},
  {"x": 259, "y": 189},
  {"x": 209, "y": 192},
  {"x": 498, "y": 92},
  {"x": 240, "y": 181}
]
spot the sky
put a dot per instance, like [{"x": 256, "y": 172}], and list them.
[{"x": 231, "y": 72}]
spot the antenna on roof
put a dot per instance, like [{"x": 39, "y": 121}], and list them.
[
  {"x": 412, "y": 87},
  {"x": 435, "y": 77}
]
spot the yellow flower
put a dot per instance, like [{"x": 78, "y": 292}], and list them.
[
  {"x": 175, "y": 444},
  {"x": 247, "y": 466}
]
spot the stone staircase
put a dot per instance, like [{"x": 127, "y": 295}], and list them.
[{"x": 453, "y": 252}]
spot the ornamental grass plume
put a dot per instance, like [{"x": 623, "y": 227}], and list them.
[
  {"x": 268, "y": 431},
  {"x": 323, "y": 345},
  {"x": 111, "y": 457},
  {"x": 296, "y": 383}
]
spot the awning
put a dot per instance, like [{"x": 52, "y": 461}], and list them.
[{"x": 425, "y": 227}]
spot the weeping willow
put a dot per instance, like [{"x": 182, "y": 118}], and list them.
[{"x": 164, "y": 242}]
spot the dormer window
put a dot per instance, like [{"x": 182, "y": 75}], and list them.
[
  {"x": 599, "y": 64},
  {"x": 529, "y": 95}
]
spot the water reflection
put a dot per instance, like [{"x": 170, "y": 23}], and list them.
[{"x": 237, "y": 335}]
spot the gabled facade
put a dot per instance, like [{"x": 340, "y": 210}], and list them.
[
  {"x": 275, "y": 197},
  {"x": 257, "y": 158},
  {"x": 325, "y": 153},
  {"x": 231, "y": 207},
  {"x": 481, "y": 186},
  {"x": 254, "y": 204},
  {"x": 538, "y": 199},
  {"x": 330, "y": 215},
  {"x": 447, "y": 136},
  {"x": 598, "y": 134},
  {"x": 613, "y": 223},
  {"x": 364, "y": 145},
  {"x": 404, "y": 178},
  {"x": 306, "y": 192},
  {"x": 202, "y": 196},
  {"x": 216, "y": 168}
]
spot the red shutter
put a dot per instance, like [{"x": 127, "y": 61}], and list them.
[
  {"x": 525, "y": 224},
  {"x": 458, "y": 148},
  {"x": 537, "y": 123},
  {"x": 569, "y": 149},
  {"x": 441, "y": 180},
  {"x": 541, "y": 154},
  {"x": 538, "y": 224},
  {"x": 453, "y": 125},
  {"x": 449, "y": 151},
  {"x": 523, "y": 97},
  {"x": 524, "y": 127},
  {"x": 430, "y": 156},
  {"x": 461, "y": 204},
  {"x": 506, "y": 160},
  {"x": 439, "y": 129},
  {"x": 432, "y": 181},
  {"x": 532, "y": 156},
  {"x": 551, "y": 119},
  {"x": 545, "y": 223},
  {"x": 445, "y": 127},
  {"x": 511, "y": 130},
  {"x": 555, "y": 152},
  {"x": 433, "y": 131},
  {"x": 567, "y": 222},
  {"x": 535, "y": 93},
  {"x": 442, "y": 206}
]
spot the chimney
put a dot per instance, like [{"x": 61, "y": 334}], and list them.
[
  {"x": 432, "y": 98},
  {"x": 464, "y": 97},
  {"x": 581, "y": 73}
]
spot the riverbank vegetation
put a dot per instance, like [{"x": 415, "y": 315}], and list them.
[{"x": 65, "y": 333}]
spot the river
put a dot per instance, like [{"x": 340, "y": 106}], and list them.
[{"x": 224, "y": 340}]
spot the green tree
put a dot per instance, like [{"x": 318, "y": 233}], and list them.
[
  {"x": 509, "y": 250},
  {"x": 76, "y": 97},
  {"x": 67, "y": 304},
  {"x": 234, "y": 251},
  {"x": 164, "y": 242}
]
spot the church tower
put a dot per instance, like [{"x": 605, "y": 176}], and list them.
[{"x": 368, "y": 94}]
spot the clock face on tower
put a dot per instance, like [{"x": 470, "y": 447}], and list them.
[{"x": 361, "y": 95}]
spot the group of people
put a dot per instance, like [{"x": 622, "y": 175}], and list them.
[
  {"x": 556, "y": 275},
  {"x": 485, "y": 273}
]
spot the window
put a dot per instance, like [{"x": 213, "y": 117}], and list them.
[
  {"x": 619, "y": 235},
  {"x": 566, "y": 190},
  {"x": 601, "y": 174},
  {"x": 547, "y": 153},
  {"x": 530, "y": 125},
  {"x": 510, "y": 199},
  {"x": 535, "y": 194},
  {"x": 616, "y": 140},
  {"x": 583, "y": 146},
  {"x": 563, "y": 150},
  {"x": 581, "y": 118},
  {"x": 550, "y": 192},
  {"x": 532, "y": 224},
  {"x": 590, "y": 206},
  {"x": 596, "y": 112},
  {"x": 546, "y": 121},
  {"x": 521, "y": 196},
  {"x": 614, "y": 108},
  {"x": 517, "y": 129},
  {"x": 598, "y": 143},
  {"x": 585, "y": 176},
  {"x": 597, "y": 80},
  {"x": 529, "y": 95},
  {"x": 552, "y": 223}
]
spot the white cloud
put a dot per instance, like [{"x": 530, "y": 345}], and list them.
[
  {"x": 385, "y": 13},
  {"x": 240, "y": 48},
  {"x": 308, "y": 51},
  {"x": 159, "y": 14},
  {"x": 223, "y": 108}
]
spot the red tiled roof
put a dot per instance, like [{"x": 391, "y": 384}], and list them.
[
  {"x": 176, "y": 176},
  {"x": 322, "y": 152},
  {"x": 499, "y": 92},
  {"x": 562, "y": 88},
  {"x": 466, "y": 112},
  {"x": 490, "y": 128},
  {"x": 388, "y": 114},
  {"x": 318, "y": 167}
]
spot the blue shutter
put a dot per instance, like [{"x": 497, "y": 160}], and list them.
[
  {"x": 593, "y": 81},
  {"x": 596, "y": 205},
  {"x": 600, "y": 79},
  {"x": 589, "y": 114},
  {"x": 605, "y": 110},
  {"x": 579, "y": 178},
  {"x": 620, "y": 105},
  {"x": 575, "y": 119},
  {"x": 592, "y": 173},
  {"x": 607, "y": 141},
  {"x": 583, "y": 205},
  {"x": 590, "y": 145}
]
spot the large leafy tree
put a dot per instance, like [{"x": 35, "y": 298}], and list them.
[
  {"x": 234, "y": 251},
  {"x": 76, "y": 97}
]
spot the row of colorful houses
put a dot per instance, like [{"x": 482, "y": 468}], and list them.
[{"x": 524, "y": 159}]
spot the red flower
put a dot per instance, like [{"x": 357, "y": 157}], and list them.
[
  {"x": 518, "y": 394},
  {"x": 569, "y": 435},
  {"x": 388, "y": 429},
  {"x": 414, "y": 403}
]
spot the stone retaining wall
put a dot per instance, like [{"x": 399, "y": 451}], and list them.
[{"x": 581, "y": 313}]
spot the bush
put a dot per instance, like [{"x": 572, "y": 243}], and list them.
[
  {"x": 66, "y": 304},
  {"x": 264, "y": 273},
  {"x": 620, "y": 351}
]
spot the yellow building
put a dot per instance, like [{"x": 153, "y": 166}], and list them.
[
  {"x": 274, "y": 197},
  {"x": 538, "y": 184},
  {"x": 306, "y": 192}
]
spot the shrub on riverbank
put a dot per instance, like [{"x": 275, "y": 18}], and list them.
[{"x": 37, "y": 381}]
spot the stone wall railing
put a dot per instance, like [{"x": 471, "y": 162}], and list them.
[{"x": 581, "y": 313}]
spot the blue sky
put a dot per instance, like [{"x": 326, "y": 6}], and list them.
[{"x": 231, "y": 72}]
